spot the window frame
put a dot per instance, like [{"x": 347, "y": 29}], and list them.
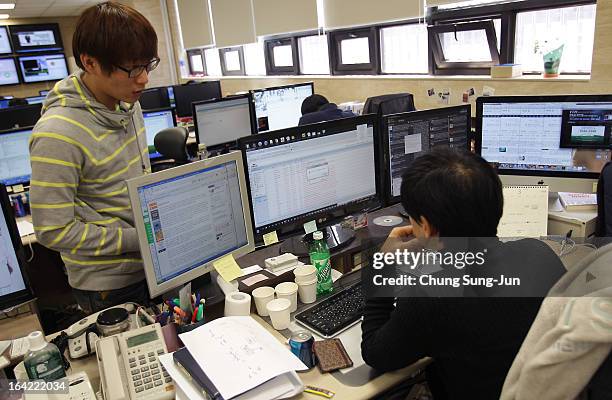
[
  {"x": 191, "y": 52},
  {"x": 334, "y": 40},
  {"x": 270, "y": 44},
  {"x": 304, "y": 34},
  {"x": 380, "y": 27},
  {"x": 224, "y": 70},
  {"x": 443, "y": 67},
  {"x": 508, "y": 13}
]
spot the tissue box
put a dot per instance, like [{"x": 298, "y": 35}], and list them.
[{"x": 506, "y": 71}]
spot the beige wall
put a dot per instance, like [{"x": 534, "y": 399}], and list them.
[
  {"x": 341, "y": 89},
  {"x": 66, "y": 25}
]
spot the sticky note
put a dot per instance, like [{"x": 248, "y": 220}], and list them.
[
  {"x": 270, "y": 238},
  {"x": 228, "y": 268},
  {"x": 310, "y": 227}
]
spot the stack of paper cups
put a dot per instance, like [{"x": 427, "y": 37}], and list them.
[
  {"x": 237, "y": 304},
  {"x": 305, "y": 273},
  {"x": 288, "y": 290}
]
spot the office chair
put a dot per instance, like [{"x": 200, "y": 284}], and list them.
[
  {"x": 604, "y": 202},
  {"x": 389, "y": 104},
  {"x": 172, "y": 144}
]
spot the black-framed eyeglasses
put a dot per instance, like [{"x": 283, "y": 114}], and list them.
[{"x": 136, "y": 70}]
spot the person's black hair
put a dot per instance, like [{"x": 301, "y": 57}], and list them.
[
  {"x": 459, "y": 193},
  {"x": 312, "y": 103}
]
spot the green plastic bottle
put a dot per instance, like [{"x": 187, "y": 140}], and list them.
[
  {"x": 43, "y": 360},
  {"x": 320, "y": 258}
]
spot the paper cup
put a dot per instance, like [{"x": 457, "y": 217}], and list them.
[
  {"x": 263, "y": 295},
  {"x": 288, "y": 290},
  {"x": 308, "y": 291},
  {"x": 305, "y": 273},
  {"x": 279, "y": 313},
  {"x": 237, "y": 304}
]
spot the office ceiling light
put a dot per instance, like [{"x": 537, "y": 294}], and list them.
[
  {"x": 7, "y": 6},
  {"x": 4, "y": 16}
]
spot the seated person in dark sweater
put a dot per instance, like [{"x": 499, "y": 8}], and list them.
[
  {"x": 472, "y": 337},
  {"x": 316, "y": 108}
]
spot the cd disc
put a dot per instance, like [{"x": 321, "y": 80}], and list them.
[{"x": 388, "y": 220}]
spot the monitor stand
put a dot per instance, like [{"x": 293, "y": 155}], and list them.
[{"x": 337, "y": 237}]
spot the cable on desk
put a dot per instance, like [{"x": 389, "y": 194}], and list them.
[{"x": 31, "y": 252}]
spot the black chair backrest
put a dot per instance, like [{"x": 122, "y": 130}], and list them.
[
  {"x": 604, "y": 202},
  {"x": 389, "y": 104}
]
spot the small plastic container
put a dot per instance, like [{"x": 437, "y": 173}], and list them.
[{"x": 43, "y": 360}]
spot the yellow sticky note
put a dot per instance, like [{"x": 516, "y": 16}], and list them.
[
  {"x": 270, "y": 238},
  {"x": 310, "y": 227},
  {"x": 228, "y": 268}
]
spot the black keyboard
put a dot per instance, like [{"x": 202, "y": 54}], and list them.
[{"x": 335, "y": 313}]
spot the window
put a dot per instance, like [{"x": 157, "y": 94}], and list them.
[
  {"x": 254, "y": 59},
  {"x": 281, "y": 57},
  {"x": 195, "y": 58},
  {"x": 464, "y": 48},
  {"x": 404, "y": 49},
  {"x": 354, "y": 51},
  {"x": 232, "y": 61},
  {"x": 213, "y": 62},
  {"x": 538, "y": 32},
  {"x": 314, "y": 55}
]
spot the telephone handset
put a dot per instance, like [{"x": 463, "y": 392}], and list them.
[{"x": 130, "y": 368}]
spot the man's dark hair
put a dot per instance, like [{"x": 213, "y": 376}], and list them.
[
  {"x": 459, "y": 193},
  {"x": 114, "y": 34},
  {"x": 312, "y": 103}
]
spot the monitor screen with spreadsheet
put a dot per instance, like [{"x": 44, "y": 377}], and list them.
[
  {"x": 189, "y": 217},
  {"x": 408, "y": 135},
  {"x": 280, "y": 107},
  {"x": 223, "y": 120},
  {"x": 15, "y": 156},
  {"x": 303, "y": 173},
  {"x": 155, "y": 121},
  {"x": 522, "y": 135}
]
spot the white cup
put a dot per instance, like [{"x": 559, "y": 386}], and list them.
[
  {"x": 263, "y": 295},
  {"x": 288, "y": 290},
  {"x": 308, "y": 291},
  {"x": 305, "y": 273},
  {"x": 279, "y": 313}
]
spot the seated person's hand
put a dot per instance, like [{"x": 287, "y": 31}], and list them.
[
  {"x": 401, "y": 232},
  {"x": 398, "y": 239}
]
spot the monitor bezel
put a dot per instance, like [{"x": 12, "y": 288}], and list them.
[
  {"x": 252, "y": 120},
  {"x": 7, "y": 132},
  {"x": 190, "y": 108},
  {"x": 480, "y": 101},
  {"x": 25, "y": 295},
  {"x": 8, "y": 36},
  {"x": 34, "y": 107},
  {"x": 384, "y": 133},
  {"x": 159, "y": 156},
  {"x": 291, "y": 226},
  {"x": 156, "y": 289},
  {"x": 253, "y": 91},
  {"x": 17, "y": 71},
  {"x": 22, "y": 74},
  {"x": 17, "y": 48}
]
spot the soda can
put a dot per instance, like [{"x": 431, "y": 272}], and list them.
[{"x": 301, "y": 344}]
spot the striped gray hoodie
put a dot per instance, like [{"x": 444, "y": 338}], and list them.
[{"x": 81, "y": 154}]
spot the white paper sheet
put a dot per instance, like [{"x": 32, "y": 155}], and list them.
[
  {"x": 25, "y": 228},
  {"x": 525, "y": 212},
  {"x": 238, "y": 354}
]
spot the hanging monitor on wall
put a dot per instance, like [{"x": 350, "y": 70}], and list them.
[
  {"x": 8, "y": 72},
  {"x": 38, "y": 37},
  {"x": 5, "y": 41},
  {"x": 43, "y": 67}
]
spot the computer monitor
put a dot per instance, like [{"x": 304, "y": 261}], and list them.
[
  {"x": 36, "y": 37},
  {"x": 14, "y": 287},
  {"x": 408, "y": 135},
  {"x": 171, "y": 96},
  {"x": 321, "y": 172},
  {"x": 15, "y": 156},
  {"x": 8, "y": 72},
  {"x": 522, "y": 136},
  {"x": 43, "y": 67},
  {"x": 154, "y": 98},
  {"x": 155, "y": 121},
  {"x": 280, "y": 107},
  {"x": 184, "y": 95},
  {"x": 5, "y": 41},
  {"x": 35, "y": 99},
  {"x": 224, "y": 120},
  {"x": 19, "y": 116},
  {"x": 190, "y": 216}
]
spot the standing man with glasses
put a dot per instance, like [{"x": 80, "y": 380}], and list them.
[{"x": 89, "y": 140}]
